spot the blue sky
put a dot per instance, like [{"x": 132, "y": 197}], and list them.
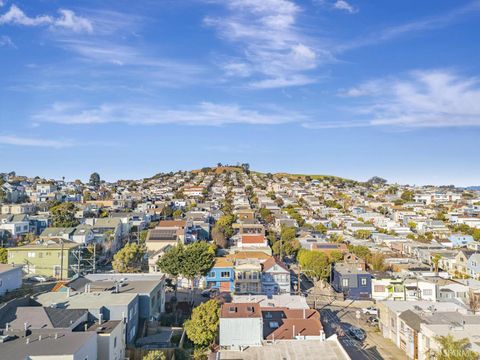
[{"x": 349, "y": 88}]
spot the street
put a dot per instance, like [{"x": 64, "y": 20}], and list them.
[{"x": 338, "y": 319}]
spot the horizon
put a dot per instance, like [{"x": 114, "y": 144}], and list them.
[{"x": 330, "y": 87}]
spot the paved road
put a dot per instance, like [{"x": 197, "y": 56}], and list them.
[{"x": 339, "y": 319}]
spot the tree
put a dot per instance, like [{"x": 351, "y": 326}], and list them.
[
  {"x": 321, "y": 228},
  {"x": 95, "y": 180},
  {"x": 287, "y": 233},
  {"x": 129, "y": 259},
  {"x": 407, "y": 195},
  {"x": 198, "y": 259},
  {"x": 362, "y": 234},
  {"x": 3, "y": 256},
  {"x": 314, "y": 263},
  {"x": 171, "y": 262},
  {"x": 177, "y": 214},
  {"x": 435, "y": 261},
  {"x": 219, "y": 237},
  {"x": 202, "y": 328},
  {"x": 335, "y": 238},
  {"x": 451, "y": 349},
  {"x": 63, "y": 215},
  {"x": 376, "y": 261},
  {"x": 154, "y": 355}
]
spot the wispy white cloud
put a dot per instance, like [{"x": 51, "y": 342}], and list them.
[
  {"x": 6, "y": 41},
  {"x": 204, "y": 114},
  {"x": 417, "y": 26},
  {"x": 436, "y": 98},
  {"x": 345, "y": 6},
  {"x": 67, "y": 19},
  {"x": 273, "y": 50},
  {"x": 34, "y": 142}
]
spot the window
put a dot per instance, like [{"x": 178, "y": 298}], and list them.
[
  {"x": 427, "y": 292},
  {"x": 31, "y": 254},
  {"x": 115, "y": 342},
  {"x": 225, "y": 274},
  {"x": 364, "y": 281},
  {"x": 379, "y": 288},
  {"x": 273, "y": 324},
  {"x": 345, "y": 282},
  {"x": 212, "y": 274}
]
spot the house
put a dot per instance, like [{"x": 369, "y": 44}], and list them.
[
  {"x": 51, "y": 258},
  {"x": 241, "y": 326},
  {"x": 38, "y": 317},
  {"x": 328, "y": 248},
  {"x": 461, "y": 261},
  {"x": 110, "y": 339},
  {"x": 387, "y": 287},
  {"x": 458, "y": 240},
  {"x": 10, "y": 278},
  {"x": 57, "y": 233},
  {"x": 222, "y": 275},
  {"x": 245, "y": 215},
  {"x": 355, "y": 284},
  {"x": 473, "y": 266},
  {"x": 102, "y": 306},
  {"x": 167, "y": 232},
  {"x": 43, "y": 344},
  {"x": 252, "y": 240},
  {"x": 248, "y": 277},
  {"x": 275, "y": 277}
]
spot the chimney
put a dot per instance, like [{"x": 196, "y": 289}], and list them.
[
  {"x": 6, "y": 326},
  {"x": 25, "y": 326},
  {"x": 293, "y": 331},
  {"x": 86, "y": 326},
  {"x": 100, "y": 319},
  {"x": 28, "y": 340}
]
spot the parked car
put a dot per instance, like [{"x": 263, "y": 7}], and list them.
[
  {"x": 372, "y": 320},
  {"x": 357, "y": 333},
  {"x": 370, "y": 310},
  {"x": 210, "y": 293},
  {"x": 39, "y": 278}
]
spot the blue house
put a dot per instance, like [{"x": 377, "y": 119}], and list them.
[
  {"x": 353, "y": 282},
  {"x": 459, "y": 240},
  {"x": 473, "y": 266},
  {"x": 221, "y": 276}
]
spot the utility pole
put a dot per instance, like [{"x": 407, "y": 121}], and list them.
[{"x": 61, "y": 260}]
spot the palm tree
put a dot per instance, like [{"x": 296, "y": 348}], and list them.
[
  {"x": 451, "y": 349},
  {"x": 435, "y": 260}
]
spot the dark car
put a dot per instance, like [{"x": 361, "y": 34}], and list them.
[{"x": 357, "y": 333}]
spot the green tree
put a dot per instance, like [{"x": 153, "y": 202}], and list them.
[
  {"x": 407, "y": 195},
  {"x": 321, "y": 228},
  {"x": 202, "y": 328},
  {"x": 63, "y": 215},
  {"x": 362, "y": 234},
  {"x": 451, "y": 349},
  {"x": 3, "y": 256},
  {"x": 177, "y": 214},
  {"x": 287, "y": 233},
  {"x": 314, "y": 263},
  {"x": 171, "y": 262},
  {"x": 360, "y": 250},
  {"x": 95, "y": 180},
  {"x": 197, "y": 259},
  {"x": 154, "y": 355},
  {"x": 219, "y": 237},
  {"x": 129, "y": 259}
]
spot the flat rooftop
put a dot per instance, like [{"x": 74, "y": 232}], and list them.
[
  {"x": 92, "y": 300},
  {"x": 298, "y": 350}
]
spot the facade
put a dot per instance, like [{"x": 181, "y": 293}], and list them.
[
  {"x": 10, "y": 278},
  {"x": 355, "y": 284},
  {"x": 241, "y": 326},
  {"x": 248, "y": 278},
  {"x": 387, "y": 288},
  {"x": 275, "y": 277},
  {"x": 221, "y": 276},
  {"x": 46, "y": 258}
]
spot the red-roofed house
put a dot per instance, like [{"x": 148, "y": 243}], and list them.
[{"x": 252, "y": 240}]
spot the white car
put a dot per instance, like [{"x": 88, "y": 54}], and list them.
[{"x": 370, "y": 310}]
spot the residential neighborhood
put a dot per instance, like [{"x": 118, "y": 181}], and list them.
[{"x": 225, "y": 262}]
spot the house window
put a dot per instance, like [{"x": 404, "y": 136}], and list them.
[
  {"x": 379, "y": 288},
  {"x": 363, "y": 281},
  {"x": 31, "y": 254},
  {"x": 225, "y": 274},
  {"x": 345, "y": 282},
  {"x": 427, "y": 292},
  {"x": 212, "y": 274}
]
